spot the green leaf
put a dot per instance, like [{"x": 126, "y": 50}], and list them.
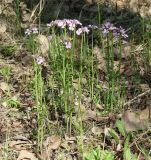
[
  {"x": 120, "y": 125},
  {"x": 108, "y": 156},
  {"x": 126, "y": 144},
  {"x": 97, "y": 153},
  {"x": 114, "y": 135},
  {"x": 127, "y": 155}
]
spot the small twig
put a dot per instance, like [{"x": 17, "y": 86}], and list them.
[
  {"x": 135, "y": 98},
  {"x": 135, "y": 140},
  {"x": 138, "y": 148}
]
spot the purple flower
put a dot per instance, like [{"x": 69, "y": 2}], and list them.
[
  {"x": 92, "y": 26},
  {"x": 50, "y": 37},
  {"x": 40, "y": 60},
  {"x": 82, "y": 30},
  {"x": 117, "y": 32},
  {"x": 27, "y": 32},
  {"x": 79, "y": 31},
  {"x": 122, "y": 32},
  {"x": 70, "y": 23},
  {"x": 105, "y": 32},
  {"x": 60, "y": 23},
  {"x": 107, "y": 27},
  {"x": 33, "y": 30},
  {"x": 72, "y": 26},
  {"x": 67, "y": 44},
  {"x": 51, "y": 24},
  {"x": 75, "y": 21}
]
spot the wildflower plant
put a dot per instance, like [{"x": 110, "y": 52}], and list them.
[
  {"x": 82, "y": 30},
  {"x": 30, "y": 33},
  {"x": 72, "y": 60},
  {"x": 70, "y": 24},
  {"x": 67, "y": 44},
  {"x": 118, "y": 32},
  {"x": 75, "y": 30},
  {"x": 115, "y": 37},
  {"x": 65, "y": 58},
  {"x": 39, "y": 88},
  {"x": 40, "y": 101}
]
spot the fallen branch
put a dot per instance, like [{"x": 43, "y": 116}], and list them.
[{"x": 135, "y": 98}]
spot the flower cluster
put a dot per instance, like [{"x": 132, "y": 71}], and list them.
[
  {"x": 82, "y": 30},
  {"x": 67, "y": 43},
  {"x": 117, "y": 32},
  {"x": 40, "y": 60},
  {"x": 30, "y": 31},
  {"x": 92, "y": 26},
  {"x": 70, "y": 23},
  {"x": 107, "y": 27},
  {"x": 121, "y": 32}
]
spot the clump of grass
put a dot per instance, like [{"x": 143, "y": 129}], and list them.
[
  {"x": 98, "y": 154},
  {"x": 5, "y": 72},
  {"x": 8, "y": 50}
]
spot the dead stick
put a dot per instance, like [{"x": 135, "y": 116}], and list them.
[{"x": 140, "y": 95}]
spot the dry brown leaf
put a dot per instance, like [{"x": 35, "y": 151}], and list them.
[
  {"x": 84, "y": 80},
  {"x": 99, "y": 56},
  {"x": 90, "y": 114},
  {"x": 26, "y": 17},
  {"x": 90, "y": 2},
  {"x": 126, "y": 50},
  {"x": 134, "y": 5},
  {"x": 19, "y": 145},
  {"x": 4, "y": 86},
  {"x": 116, "y": 67},
  {"x": 144, "y": 87},
  {"x": 132, "y": 121},
  {"x": 144, "y": 114},
  {"x": 80, "y": 108},
  {"x": 20, "y": 137},
  {"x": 2, "y": 28},
  {"x": 52, "y": 142},
  {"x": 9, "y": 1},
  {"x": 24, "y": 154},
  {"x": 26, "y": 59},
  {"x": 120, "y": 4},
  {"x": 70, "y": 139},
  {"x": 97, "y": 130},
  {"x": 99, "y": 106},
  {"x": 12, "y": 144},
  {"x": 43, "y": 44}
]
